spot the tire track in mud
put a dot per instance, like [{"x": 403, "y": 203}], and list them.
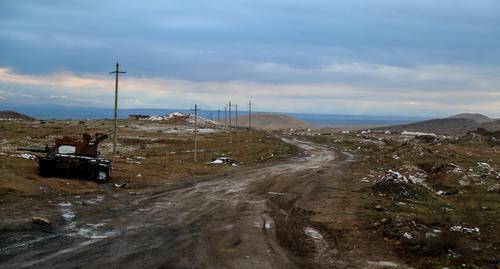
[{"x": 228, "y": 222}]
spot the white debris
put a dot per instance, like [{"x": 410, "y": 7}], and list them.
[
  {"x": 156, "y": 118},
  {"x": 418, "y": 133},
  {"x": 430, "y": 235},
  {"x": 217, "y": 161},
  {"x": 394, "y": 176},
  {"x": 277, "y": 193},
  {"x": 311, "y": 232},
  {"x": 383, "y": 264},
  {"x": 484, "y": 165},
  {"x": 408, "y": 236},
  {"x": 223, "y": 160},
  {"x": 175, "y": 114},
  {"x": 25, "y": 156},
  {"x": 458, "y": 228}
]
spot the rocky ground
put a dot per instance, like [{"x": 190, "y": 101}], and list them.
[
  {"x": 293, "y": 199},
  {"x": 435, "y": 199}
]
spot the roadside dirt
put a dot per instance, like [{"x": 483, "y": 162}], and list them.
[{"x": 297, "y": 213}]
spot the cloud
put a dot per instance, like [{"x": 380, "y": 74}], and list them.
[
  {"x": 196, "y": 41},
  {"x": 358, "y": 56},
  {"x": 380, "y": 88}
]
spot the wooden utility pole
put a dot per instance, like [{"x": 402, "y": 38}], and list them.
[
  {"x": 230, "y": 134},
  {"x": 230, "y": 114},
  {"x": 225, "y": 116},
  {"x": 195, "y": 132},
  {"x": 249, "y": 115},
  {"x": 116, "y": 72}
]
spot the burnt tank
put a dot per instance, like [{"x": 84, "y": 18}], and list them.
[{"x": 71, "y": 158}]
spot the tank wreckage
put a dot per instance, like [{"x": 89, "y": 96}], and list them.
[{"x": 70, "y": 158}]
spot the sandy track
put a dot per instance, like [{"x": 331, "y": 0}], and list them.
[{"x": 225, "y": 222}]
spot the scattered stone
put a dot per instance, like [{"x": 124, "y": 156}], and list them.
[
  {"x": 408, "y": 236},
  {"x": 223, "y": 160},
  {"x": 40, "y": 220},
  {"x": 458, "y": 228},
  {"x": 123, "y": 185}
]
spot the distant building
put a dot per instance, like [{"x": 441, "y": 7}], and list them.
[{"x": 138, "y": 117}]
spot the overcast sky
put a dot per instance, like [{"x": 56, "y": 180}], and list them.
[{"x": 384, "y": 57}]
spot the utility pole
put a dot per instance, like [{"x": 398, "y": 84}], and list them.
[
  {"x": 218, "y": 115},
  {"x": 236, "y": 117},
  {"x": 249, "y": 115},
  {"x": 116, "y": 72},
  {"x": 230, "y": 135},
  {"x": 230, "y": 114},
  {"x": 195, "y": 132},
  {"x": 225, "y": 116}
]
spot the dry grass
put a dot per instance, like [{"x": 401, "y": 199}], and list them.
[
  {"x": 150, "y": 153},
  {"x": 429, "y": 218}
]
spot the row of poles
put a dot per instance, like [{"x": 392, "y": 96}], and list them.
[
  {"x": 227, "y": 122},
  {"x": 196, "y": 109}
]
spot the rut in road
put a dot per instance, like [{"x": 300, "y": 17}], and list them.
[{"x": 211, "y": 224}]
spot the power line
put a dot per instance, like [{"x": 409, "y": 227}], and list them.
[{"x": 116, "y": 72}]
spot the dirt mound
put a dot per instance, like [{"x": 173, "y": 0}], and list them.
[
  {"x": 12, "y": 115},
  {"x": 396, "y": 185},
  {"x": 273, "y": 122}
]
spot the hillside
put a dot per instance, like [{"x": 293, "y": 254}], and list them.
[
  {"x": 472, "y": 116},
  {"x": 449, "y": 126},
  {"x": 459, "y": 124},
  {"x": 273, "y": 122},
  {"x": 12, "y": 115}
]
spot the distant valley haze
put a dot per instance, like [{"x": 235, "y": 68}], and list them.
[{"x": 409, "y": 59}]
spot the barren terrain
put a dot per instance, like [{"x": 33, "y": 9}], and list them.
[{"x": 300, "y": 200}]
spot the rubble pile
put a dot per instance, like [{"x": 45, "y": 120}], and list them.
[
  {"x": 395, "y": 184},
  {"x": 181, "y": 118}
]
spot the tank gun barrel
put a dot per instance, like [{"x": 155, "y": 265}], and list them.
[{"x": 41, "y": 150}]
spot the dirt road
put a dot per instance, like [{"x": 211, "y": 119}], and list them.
[{"x": 251, "y": 218}]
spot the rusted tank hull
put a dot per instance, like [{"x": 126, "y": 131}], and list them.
[{"x": 70, "y": 166}]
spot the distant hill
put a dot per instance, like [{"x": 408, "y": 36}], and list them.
[
  {"x": 476, "y": 117},
  {"x": 459, "y": 124},
  {"x": 449, "y": 126},
  {"x": 8, "y": 114},
  {"x": 272, "y": 122}
]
